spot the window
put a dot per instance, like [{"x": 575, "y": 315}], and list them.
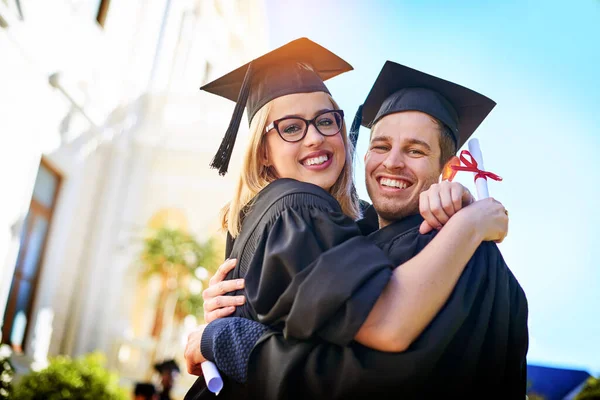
[{"x": 34, "y": 234}]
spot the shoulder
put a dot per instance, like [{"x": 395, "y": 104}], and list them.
[
  {"x": 489, "y": 254},
  {"x": 369, "y": 222},
  {"x": 401, "y": 231},
  {"x": 289, "y": 193},
  {"x": 285, "y": 197}
]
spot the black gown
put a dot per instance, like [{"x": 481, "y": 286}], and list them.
[
  {"x": 289, "y": 224},
  {"x": 475, "y": 347}
]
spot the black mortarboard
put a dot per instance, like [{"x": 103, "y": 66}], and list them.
[
  {"x": 144, "y": 389},
  {"x": 400, "y": 88},
  {"x": 268, "y": 77},
  {"x": 168, "y": 365}
]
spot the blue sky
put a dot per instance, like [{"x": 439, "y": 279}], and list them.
[{"x": 540, "y": 61}]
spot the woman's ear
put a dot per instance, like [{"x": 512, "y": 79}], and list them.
[
  {"x": 265, "y": 157},
  {"x": 265, "y": 154},
  {"x": 447, "y": 172}
]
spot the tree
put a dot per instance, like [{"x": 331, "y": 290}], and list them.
[
  {"x": 591, "y": 390},
  {"x": 177, "y": 258}
]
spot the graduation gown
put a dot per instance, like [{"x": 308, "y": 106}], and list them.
[
  {"x": 288, "y": 226},
  {"x": 474, "y": 348}
]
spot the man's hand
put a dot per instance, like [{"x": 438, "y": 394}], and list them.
[
  {"x": 440, "y": 202},
  {"x": 491, "y": 219},
  {"x": 216, "y": 305},
  {"x": 193, "y": 355}
]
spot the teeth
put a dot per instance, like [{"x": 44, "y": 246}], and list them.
[
  {"x": 393, "y": 183},
  {"x": 316, "y": 160}
]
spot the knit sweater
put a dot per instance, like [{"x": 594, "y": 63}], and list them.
[{"x": 228, "y": 343}]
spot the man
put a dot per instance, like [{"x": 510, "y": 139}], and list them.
[
  {"x": 168, "y": 371},
  {"x": 475, "y": 346}
]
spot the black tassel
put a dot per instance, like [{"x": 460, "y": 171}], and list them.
[
  {"x": 221, "y": 159},
  {"x": 356, "y": 126}
]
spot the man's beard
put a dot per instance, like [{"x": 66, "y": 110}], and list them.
[{"x": 388, "y": 211}]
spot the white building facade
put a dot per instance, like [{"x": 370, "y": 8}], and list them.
[{"x": 102, "y": 126}]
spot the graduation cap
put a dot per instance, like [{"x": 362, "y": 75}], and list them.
[
  {"x": 166, "y": 366},
  {"x": 268, "y": 77},
  {"x": 400, "y": 88}
]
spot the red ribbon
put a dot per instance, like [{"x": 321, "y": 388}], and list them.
[{"x": 471, "y": 166}]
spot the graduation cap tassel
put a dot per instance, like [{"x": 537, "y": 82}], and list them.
[
  {"x": 356, "y": 126},
  {"x": 221, "y": 159}
]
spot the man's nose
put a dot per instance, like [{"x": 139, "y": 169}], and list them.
[{"x": 394, "y": 160}]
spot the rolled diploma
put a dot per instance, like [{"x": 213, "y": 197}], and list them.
[
  {"x": 480, "y": 183},
  {"x": 213, "y": 379}
]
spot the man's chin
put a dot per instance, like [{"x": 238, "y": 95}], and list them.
[
  {"x": 390, "y": 217},
  {"x": 395, "y": 212}
]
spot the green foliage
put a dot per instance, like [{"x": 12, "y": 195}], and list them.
[
  {"x": 534, "y": 396},
  {"x": 7, "y": 372},
  {"x": 189, "y": 303},
  {"x": 175, "y": 255},
  {"x": 591, "y": 390},
  {"x": 67, "y": 379},
  {"x": 173, "y": 252}
]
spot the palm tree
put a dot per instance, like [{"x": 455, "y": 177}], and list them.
[{"x": 177, "y": 257}]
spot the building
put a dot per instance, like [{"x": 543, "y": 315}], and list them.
[{"x": 103, "y": 126}]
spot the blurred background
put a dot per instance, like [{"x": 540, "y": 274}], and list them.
[{"x": 109, "y": 213}]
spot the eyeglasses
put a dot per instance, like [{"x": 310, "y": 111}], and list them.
[{"x": 294, "y": 129}]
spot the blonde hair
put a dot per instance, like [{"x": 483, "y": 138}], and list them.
[{"x": 255, "y": 176}]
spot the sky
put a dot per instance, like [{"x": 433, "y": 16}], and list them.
[{"x": 540, "y": 61}]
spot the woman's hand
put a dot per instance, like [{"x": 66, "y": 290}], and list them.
[
  {"x": 440, "y": 202},
  {"x": 216, "y": 304}
]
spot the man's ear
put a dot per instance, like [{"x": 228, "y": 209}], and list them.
[{"x": 447, "y": 172}]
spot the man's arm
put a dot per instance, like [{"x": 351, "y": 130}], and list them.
[
  {"x": 319, "y": 300},
  {"x": 282, "y": 368},
  {"x": 416, "y": 292}
]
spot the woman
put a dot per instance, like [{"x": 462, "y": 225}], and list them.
[{"x": 295, "y": 198}]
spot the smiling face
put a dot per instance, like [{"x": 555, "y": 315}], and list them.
[
  {"x": 315, "y": 159},
  {"x": 403, "y": 160}
]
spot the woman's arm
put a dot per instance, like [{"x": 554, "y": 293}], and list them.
[{"x": 419, "y": 288}]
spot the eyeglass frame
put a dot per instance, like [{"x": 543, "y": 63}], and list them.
[{"x": 308, "y": 123}]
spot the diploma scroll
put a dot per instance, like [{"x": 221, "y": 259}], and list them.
[
  {"x": 213, "y": 379},
  {"x": 480, "y": 182}
]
